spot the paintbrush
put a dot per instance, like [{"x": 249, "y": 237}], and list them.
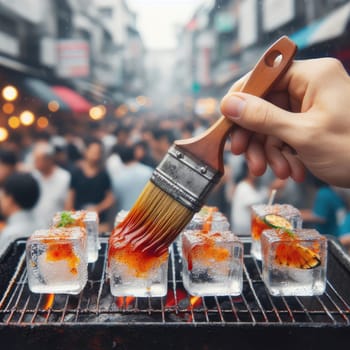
[{"x": 182, "y": 181}]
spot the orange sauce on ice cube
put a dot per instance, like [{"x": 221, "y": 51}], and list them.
[
  {"x": 205, "y": 251},
  {"x": 258, "y": 226},
  {"x": 63, "y": 251},
  {"x": 138, "y": 262},
  {"x": 293, "y": 254}
]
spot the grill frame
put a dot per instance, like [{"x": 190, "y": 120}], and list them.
[{"x": 156, "y": 323}]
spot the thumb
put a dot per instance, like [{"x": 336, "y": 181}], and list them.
[{"x": 258, "y": 115}]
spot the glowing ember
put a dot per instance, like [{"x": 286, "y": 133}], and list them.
[
  {"x": 195, "y": 302},
  {"x": 124, "y": 301},
  {"x": 173, "y": 300}
]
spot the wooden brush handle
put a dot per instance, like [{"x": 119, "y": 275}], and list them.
[{"x": 209, "y": 146}]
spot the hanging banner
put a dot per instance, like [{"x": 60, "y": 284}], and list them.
[{"x": 73, "y": 58}]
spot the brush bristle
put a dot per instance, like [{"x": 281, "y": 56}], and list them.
[{"x": 154, "y": 221}]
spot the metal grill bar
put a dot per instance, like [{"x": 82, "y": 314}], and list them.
[
  {"x": 306, "y": 312},
  {"x": 338, "y": 296},
  {"x": 95, "y": 304},
  {"x": 163, "y": 310},
  {"x": 234, "y": 310},
  {"x": 253, "y": 320},
  {"x": 250, "y": 282},
  {"x": 103, "y": 277},
  {"x": 36, "y": 309},
  {"x": 65, "y": 307},
  {"x": 13, "y": 280},
  {"x": 271, "y": 301},
  {"x": 337, "y": 308},
  {"x": 219, "y": 310},
  {"x": 19, "y": 288},
  {"x": 326, "y": 310},
  {"x": 205, "y": 309},
  {"x": 78, "y": 310},
  {"x": 23, "y": 310}
]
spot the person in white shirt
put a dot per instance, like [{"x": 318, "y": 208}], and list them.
[
  {"x": 245, "y": 195},
  {"x": 19, "y": 194},
  {"x": 53, "y": 181},
  {"x": 128, "y": 183}
]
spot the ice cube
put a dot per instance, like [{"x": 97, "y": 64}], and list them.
[
  {"x": 213, "y": 263},
  {"x": 56, "y": 261},
  {"x": 294, "y": 263},
  {"x": 134, "y": 273}
]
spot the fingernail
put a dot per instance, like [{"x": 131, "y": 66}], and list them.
[{"x": 233, "y": 106}]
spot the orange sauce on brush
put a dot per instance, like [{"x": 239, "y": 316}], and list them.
[
  {"x": 62, "y": 251},
  {"x": 122, "y": 249},
  {"x": 206, "y": 251},
  {"x": 139, "y": 263}
]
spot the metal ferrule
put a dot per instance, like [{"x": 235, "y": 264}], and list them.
[{"x": 185, "y": 178}]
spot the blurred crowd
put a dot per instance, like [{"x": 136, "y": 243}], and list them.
[{"x": 105, "y": 167}]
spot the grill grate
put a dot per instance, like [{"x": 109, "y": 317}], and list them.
[{"x": 95, "y": 304}]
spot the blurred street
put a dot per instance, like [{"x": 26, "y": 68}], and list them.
[{"x": 94, "y": 92}]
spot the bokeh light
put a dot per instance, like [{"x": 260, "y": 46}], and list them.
[
  {"x": 121, "y": 111},
  {"x": 53, "y": 106},
  {"x": 14, "y": 122},
  {"x": 42, "y": 122},
  {"x": 27, "y": 118},
  {"x": 97, "y": 112},
  {"x": 8, "y": 108},
  {"x": 4, "y": 134},
  {"x": 134, "y": 108},
  {"x": 9, "y": 93},
  {"x": 141, "y": 100}
]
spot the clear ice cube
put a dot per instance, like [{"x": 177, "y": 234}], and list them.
[
  {"x": 134, "y": 273},
  {"x": 294, "y": 267},
  {"x": 56, "y": 261},
  {"x": 212, "y": 263}
]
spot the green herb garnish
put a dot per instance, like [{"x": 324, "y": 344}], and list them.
[
  {"x": 289, "y": 232},
  {"x": 66, "y": 219}
]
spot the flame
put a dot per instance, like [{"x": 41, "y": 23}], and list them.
[
  {"x": 195, "y": 301},
  {"x": 172, "y": 299},
  {"x": 124, "y": 301},
  {"x": 128, "y": 301},
  {"x": 119, "y": 301},
  {"x": 49, "y": 301}
]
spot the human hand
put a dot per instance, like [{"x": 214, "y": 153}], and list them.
[{"x": 304, "y": 122}]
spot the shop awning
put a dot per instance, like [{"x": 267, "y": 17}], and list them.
[
  {"x": 327, "y": 28},
  {"x": 77, "y": 103},
  {"x": 40, "y": 90}
]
